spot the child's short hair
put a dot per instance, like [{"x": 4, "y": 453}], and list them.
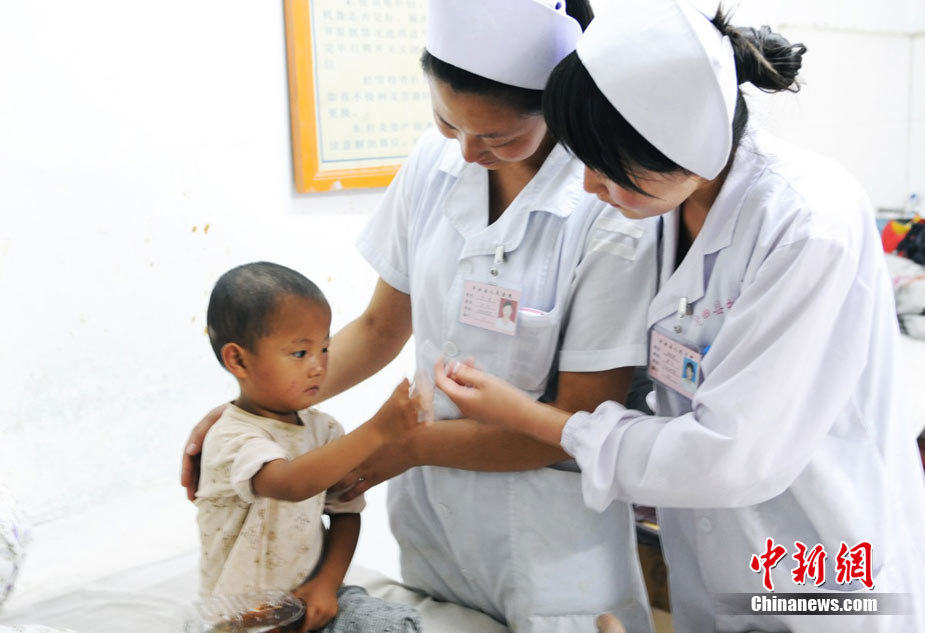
[{"x": 244, "y": 299}]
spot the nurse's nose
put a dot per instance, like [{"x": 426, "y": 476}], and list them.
[
  {"x": 593, "y": 182},
  {"x": 471, "y": 147}
]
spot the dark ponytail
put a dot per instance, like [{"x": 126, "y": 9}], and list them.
[
  {"x": 524, "y": 100},
  {"x": 580, "y": 117},
  {"x": 764, "y": 58}
]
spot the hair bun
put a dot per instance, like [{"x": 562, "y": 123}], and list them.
[{"x": 763, "y": 58}]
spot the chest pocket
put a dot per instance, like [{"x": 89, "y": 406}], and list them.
[{"x": 535, "y": 348}]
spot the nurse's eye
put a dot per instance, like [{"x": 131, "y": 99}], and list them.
[
  {"x": 300, "y": 354},
  {"x": 504, "y": 144},
  {"x": 324, "y": 350}
]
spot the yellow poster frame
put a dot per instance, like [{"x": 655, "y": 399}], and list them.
[{"x": 309, "y": 178}]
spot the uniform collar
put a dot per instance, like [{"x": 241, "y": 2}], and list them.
[
  {"x": 724, "y": 214},
  {"x": 688, "y": 280},
  {"x": 556, "y": 189}
]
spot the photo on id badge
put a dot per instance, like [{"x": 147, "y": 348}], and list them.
[
  {"x": 674, "y": 364},
  {"x": 490, "y": 307}
]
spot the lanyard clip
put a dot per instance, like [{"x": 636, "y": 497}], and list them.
[
  {"x": 684, "y": 309},
  {"x": 499, "y": 259}
]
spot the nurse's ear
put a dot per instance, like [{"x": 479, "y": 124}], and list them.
[{"x": 234, "y": 359}]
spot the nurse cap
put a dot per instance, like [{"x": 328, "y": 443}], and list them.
[
  {"x": 671, "y": 74},
  {"x": 514, "y": 42}
]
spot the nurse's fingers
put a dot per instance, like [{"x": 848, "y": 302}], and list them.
[
  {"x": 464, "y": 372},
  {"x": 606, "y": 623},
  {"x": 189, "y": 470},
  {"x": 456, "y": 378},
  {"x": 446, "y": 384}
]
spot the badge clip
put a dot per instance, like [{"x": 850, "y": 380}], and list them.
[
  {"x": 499, "y": 259},
  {"x": 684, "y": 309}
]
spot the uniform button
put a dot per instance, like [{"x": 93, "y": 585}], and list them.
[
  {"x": 706, "y": 525},
  {"x": 443, "y": 511},
  {"x": 450, "y": 349},
  {"x": 466, "y": 268}
]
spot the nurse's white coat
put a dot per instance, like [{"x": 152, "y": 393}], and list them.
[
  {"x": 796, "y": 432},
  {"x": 519, "y": 546}
]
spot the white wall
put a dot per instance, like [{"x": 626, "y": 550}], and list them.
[
  {"x": 917, "y": 135},
  {"x": 857, "y": 103},
  {"x": 126, "y": 128}
]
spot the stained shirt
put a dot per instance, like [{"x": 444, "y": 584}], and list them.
[{"x": 252, "y": 543}]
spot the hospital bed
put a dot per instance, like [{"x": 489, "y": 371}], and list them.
[{"x": 130, "y": 565}]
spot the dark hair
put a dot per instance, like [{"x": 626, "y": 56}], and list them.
[
  {"x": 245, "y": 299},
  {"x": 525, "y": 100},
  {"x": 580, "y": 117}
]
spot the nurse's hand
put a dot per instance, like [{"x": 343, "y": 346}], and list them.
[
  {"x": 481, "y": 396},
  {"x": 189, "y": 472},
  {"x": 489, "y": 399}
]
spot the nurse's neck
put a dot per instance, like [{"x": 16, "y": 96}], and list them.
[
  {"x": 507, "y": 181},
  {"x": 694, "y": 210}
]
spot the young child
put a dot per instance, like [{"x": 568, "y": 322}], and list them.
[{"x": 268, "y": 461}]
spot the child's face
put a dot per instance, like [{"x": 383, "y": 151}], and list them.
[{"x": 287, "y": 366}]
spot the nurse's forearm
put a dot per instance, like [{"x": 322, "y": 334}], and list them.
[
  {"x": 368, "y": 343},
  {"x": 471, "y": 445}
]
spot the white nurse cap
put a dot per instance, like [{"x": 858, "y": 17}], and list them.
[
  {"x": 515, "y": 42},
  {"x": 671, "y": 74}
]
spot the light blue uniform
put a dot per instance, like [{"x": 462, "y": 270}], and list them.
[{"x": 522, "y": 546}]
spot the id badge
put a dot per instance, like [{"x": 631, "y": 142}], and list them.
[
  {"x": 490, "y": 307},
  {"x": 674, "y": 364}
]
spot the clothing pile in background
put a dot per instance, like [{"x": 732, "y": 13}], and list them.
[
  {"x": 14, "y": 538},
  {"x": 904, "y": 244}
]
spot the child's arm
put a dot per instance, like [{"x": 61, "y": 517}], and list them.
[
  {"x": 316, "y": 471},
  {"x": 320, "y": 593}
]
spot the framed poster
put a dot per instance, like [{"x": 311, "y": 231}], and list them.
[{"x": 358, "y": 97}]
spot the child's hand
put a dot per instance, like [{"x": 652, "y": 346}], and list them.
[
  {"x": 399, "y": 414},
  {"x": 320, "y": 604}
]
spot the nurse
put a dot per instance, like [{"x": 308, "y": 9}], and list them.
[
  {"x": 488, "y": 218},
  {"x": 771, "y": 282}
]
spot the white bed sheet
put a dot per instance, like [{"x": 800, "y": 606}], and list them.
[
  {"x": 130, "y": 564},
  {"x": 150, "y": 598}
]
